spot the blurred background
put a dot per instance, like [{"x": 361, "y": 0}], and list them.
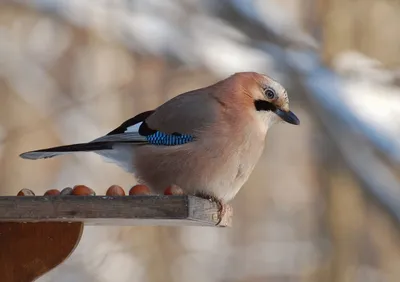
[{"x": 324, "y": 202}]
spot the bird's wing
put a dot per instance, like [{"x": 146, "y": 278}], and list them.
[
  {"x": 175, "y": 122},
  {"x": 186, "y": 113}
]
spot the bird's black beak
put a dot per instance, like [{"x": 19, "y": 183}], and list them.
[{"x": 288, "y": 116}]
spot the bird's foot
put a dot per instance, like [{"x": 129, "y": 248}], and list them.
[{"x": 222, "y": 207}]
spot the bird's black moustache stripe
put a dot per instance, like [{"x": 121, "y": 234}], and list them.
[{"x": 262, "y": 105}]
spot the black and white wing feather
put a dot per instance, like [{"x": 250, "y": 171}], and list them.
[{"x": 134, "y": 131}]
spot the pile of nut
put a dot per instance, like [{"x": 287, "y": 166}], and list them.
[{"x": 114, "y": 190}]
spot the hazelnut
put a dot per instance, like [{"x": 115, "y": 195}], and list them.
[
  {"x": 139, "y": 189},
  {"x": 52, "y": 192},
  {"x": 82, "y": 190},
  {"x": 66, "y": 191},
  {"x": 115, "y": 190},
  {"x": 173, "y": 190},
  {"x": 26, "y": 192}
]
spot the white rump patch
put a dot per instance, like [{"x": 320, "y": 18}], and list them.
[
  {"x": 121, "y": 155},
  {"x": 133, "y": 128}
]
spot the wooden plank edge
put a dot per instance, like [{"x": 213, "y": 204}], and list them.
[{"x": 113, "y": 210}]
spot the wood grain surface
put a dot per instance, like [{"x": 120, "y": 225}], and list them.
[
  {"x": 107, "y": 210},
  {"x": 29, "y": 250}
]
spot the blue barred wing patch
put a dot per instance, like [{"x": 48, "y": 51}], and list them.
[{"x": 160, "y": 138}]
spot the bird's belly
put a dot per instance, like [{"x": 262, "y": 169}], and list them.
[{"x": 195, "y": 169}]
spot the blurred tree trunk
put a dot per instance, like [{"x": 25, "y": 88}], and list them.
[
  {"x": 368, "y": 26},
  {"x": 364, "y": 240}
]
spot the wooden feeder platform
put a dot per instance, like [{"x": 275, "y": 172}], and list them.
[{"x": 37, "y": 233}]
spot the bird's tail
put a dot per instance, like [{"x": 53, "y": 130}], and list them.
[{"x": 67, "y": 149}]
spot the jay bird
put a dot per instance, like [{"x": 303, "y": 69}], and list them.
[{"x": 206, "y": 141}]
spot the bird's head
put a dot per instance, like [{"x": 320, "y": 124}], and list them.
[{"x": 268, "y": 97}]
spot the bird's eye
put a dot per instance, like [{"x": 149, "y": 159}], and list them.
[{"x": 270, "y": 93}]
